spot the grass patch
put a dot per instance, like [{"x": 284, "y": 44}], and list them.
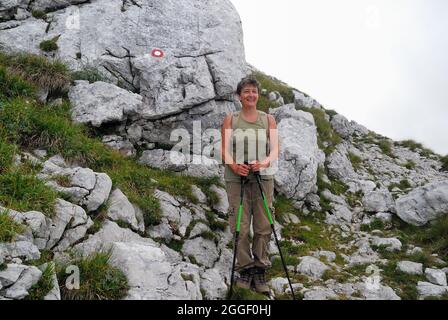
[
  {"x": 245, "y": 294},
  {"x": 405, "y": 284},
  {"x": 444, "y": 161},
  {"x": 272, "y": 84},
  {"x": 7, "y": 152},
  {"x": 13, "y": 86},
  {"x": 282, "y": 207},
  {"x": 45, "y": 256},
  {"x": 49, "y": 45},
  {"x": 386, "y": 147},
  {"x": 24, "y": 192},
  {"x": 376, "y": 224},
  {"x": 98, "y": 279},
  {"x": 44, "y": 285},
  {"x": 176, "y": 245},
  {"x": 89, "y": 74},
  {"x": 335, "y": 186},
  {"x": 402, "y": 185},
  {"x": 416, "y": 147},
  {"x": 37, "y": 70},
  {"x": 355, "y": 160},
  {"x": 340, "y": 277},
  {"x": 214, "y": 223},
  {"x": 354, "y": 199},
  {"x": 8, "y": 227},
  {"x": 63, "y": 181},
  {"x": 410, "y": 165},
  {"x": 327, "y": 138}
]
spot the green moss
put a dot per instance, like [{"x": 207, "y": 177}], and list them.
[
  {"x": 39, "y": 14},
  {"x": 208, "y": 235},
  {"x": 98, "y": 279},
  {"x": 9, "y": 229},
  {"x": 355, "y": 160},
  {"x": 49, "y": 45},
  {"x": 193, "y": 260},
  {"x": 176, "y": 245}
]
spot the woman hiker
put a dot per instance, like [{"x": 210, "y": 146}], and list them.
[{"x": 250, "y": 144}]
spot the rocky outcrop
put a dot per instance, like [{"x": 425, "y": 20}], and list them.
[
  {"x": 299, "y": 155},
  {"x": 83, "y": 186},
  {"x": 101, "y": 102},
  {"x": 424, "y": 204}
]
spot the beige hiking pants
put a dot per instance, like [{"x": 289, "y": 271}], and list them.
[{"x": 253, "y": 209}]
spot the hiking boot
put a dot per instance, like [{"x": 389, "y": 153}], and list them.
[
  {"x": 245, "y": 279},
  {"x": 260, "y": 281}
]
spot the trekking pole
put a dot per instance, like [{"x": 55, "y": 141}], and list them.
[
  {"x": 237, "y": 234},
  {"x": 265, "y": 202}
]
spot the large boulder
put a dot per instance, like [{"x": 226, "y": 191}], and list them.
[
  {"x": 120, "y": 209},
  {"x": 312, "y": 267},
  {"x": 153, "y": 271},
  {"x": 378, "y": 201},
  {"x": 68, "y": 226},
  {"x": 424, "y": 204},
  {"x": 299, "y": 153},
  {"x": 18, "y": 279},
  {"x": 338, "y": 164},
  {"x": 203, "y": 251},
  {"x": 102, "y": 102}
]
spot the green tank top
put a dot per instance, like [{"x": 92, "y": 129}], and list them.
[{"x": 249, "y": 142}]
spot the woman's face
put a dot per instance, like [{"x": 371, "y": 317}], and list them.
[{"x": 249, "y": 96}]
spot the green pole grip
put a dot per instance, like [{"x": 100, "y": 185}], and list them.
[
  {"x": 238, "y": 222},
  {"x": 265, "y": 203}
]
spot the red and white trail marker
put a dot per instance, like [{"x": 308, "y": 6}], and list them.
[{"x": 157, "y": 53}]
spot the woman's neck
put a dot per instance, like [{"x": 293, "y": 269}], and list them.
[{"x": 249, "y": 111}]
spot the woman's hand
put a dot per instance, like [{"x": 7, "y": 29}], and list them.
[
  {"x": 257, "y": 165},
  {"x": 240, "y": 169}
]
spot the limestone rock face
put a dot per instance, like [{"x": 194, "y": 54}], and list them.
[
  {"x": 424, "y": 204},
  {"x": 299, "y": 155}
]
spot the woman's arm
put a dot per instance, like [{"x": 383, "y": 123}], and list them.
[{"x": 273, "y": 146}]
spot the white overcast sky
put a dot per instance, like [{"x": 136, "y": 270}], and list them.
[{"x": 382, "y": 63}]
